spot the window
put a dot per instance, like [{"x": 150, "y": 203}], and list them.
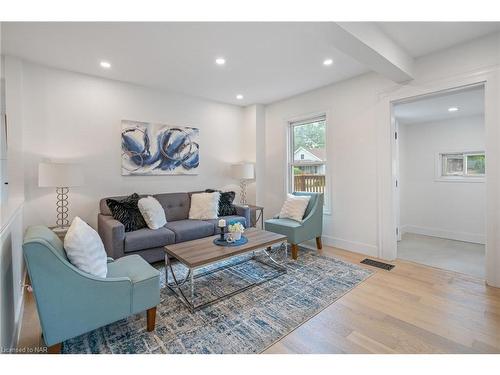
[
  {"x": 462, "y": 165},
  {"x": 307, "y": 155}
]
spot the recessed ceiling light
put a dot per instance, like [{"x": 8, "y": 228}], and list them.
[
  {"x": 328, "y": 62},
  {"x": 220, "y": 61},
  {"x": 452, "y": 109},
  {"x": 105, "y": 65},
  {"x": 239, "y": 96}
]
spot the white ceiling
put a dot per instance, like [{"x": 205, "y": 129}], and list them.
[
  {"x": 469, "y": 101},
  {"x": 266, "y": 62},
  {"x": 422, "y": 38}
]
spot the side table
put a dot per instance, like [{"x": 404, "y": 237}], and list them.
[
  {"x": 256, "y": 215},
  {"x": 60, "y": 232}
]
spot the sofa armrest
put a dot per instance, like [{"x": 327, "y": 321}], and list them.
[
  {"x": 112, "y": 233},
  {"x": 245, "y": 212}
]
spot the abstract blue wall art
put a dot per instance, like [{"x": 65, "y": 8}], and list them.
[{"x": 158, "y": 149}]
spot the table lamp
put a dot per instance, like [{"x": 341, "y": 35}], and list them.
[
  {"x": 243, "y": 172},
  {"x": 62, "y": 176}
]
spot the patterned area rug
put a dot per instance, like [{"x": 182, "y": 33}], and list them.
[{"x": 248, "y": 322}]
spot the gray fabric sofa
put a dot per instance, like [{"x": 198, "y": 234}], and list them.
[{"x": 149, "y": 243}]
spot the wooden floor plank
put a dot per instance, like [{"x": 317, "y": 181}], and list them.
[{"x": 411, "y": 309}]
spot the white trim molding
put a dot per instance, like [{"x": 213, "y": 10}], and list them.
[
  {"x": 387, "y": 239},
  {"x": 357, "y": 247}
]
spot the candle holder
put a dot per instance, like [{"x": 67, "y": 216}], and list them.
[{"x": 222, "y": 233}]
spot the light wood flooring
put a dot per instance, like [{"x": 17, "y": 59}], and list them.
[{"x": 411, "y": 309}]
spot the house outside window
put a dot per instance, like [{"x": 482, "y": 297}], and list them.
[{"x": 307, "y": 155}]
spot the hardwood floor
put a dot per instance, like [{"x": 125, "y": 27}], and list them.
[{"x": 411, "y": 309}]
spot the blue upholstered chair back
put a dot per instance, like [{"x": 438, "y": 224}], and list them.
[{"x": 315, "y": 200}]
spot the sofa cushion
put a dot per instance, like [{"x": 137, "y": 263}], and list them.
[
  {"x": 103, "y": 206},
  {"x": 176, "y": 205},
  {"x": 239, "y": 219},
  {"x": 187, "y": 230},
  {"x": 152, "y": 212},
  {"x": 127, "y": 212},
  {"x": 204, "y": 206},
  {"x": 147, "y": 238},
  {"x": 226, "y": 206}
]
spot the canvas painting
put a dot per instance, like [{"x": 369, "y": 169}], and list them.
[{"x": 159, "y": 149}]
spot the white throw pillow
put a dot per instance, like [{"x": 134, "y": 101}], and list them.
[
  {"x": 204, "y": 206},
  {"x": 152, "y": 212},
  {"x": 294, "y": 207},
  {"x": 85, "y": 249}
]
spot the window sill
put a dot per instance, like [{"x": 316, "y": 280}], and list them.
[{"x": 460, "y": 179}]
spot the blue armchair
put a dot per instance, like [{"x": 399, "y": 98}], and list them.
[
  {"x": 71, "y": 302},
  {"x": 310, "y": 227}
]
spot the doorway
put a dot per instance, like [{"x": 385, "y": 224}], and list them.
[{"x": 440, "y": 169}]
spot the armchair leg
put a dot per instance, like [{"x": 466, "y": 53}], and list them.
[
  {"x": 151, "y": 318},
  {"x": 295, "y": 251},
  {"x": 319, "y": 245},
  {"x": 54, "y": 349}
]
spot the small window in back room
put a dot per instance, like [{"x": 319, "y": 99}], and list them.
[{"x": 464, "y": 164}]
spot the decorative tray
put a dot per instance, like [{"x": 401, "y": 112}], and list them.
[{"x": 243, "y": 240}]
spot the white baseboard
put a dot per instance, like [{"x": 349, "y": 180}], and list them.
[
  {"x": 357, "y": 247},
  {"x": 443, "y": 233}
]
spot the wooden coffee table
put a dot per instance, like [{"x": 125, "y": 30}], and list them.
[{"x": 200, "y": 253}]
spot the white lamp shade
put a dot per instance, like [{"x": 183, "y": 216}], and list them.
[
  {"x": 59, "y": 175},
  {"x": 242, "y": 171}
]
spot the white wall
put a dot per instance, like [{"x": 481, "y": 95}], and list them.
[
  {"x": 351, "y": 158},
  {"x": 12, "y": 269},
  {"x": 354, "y": 108},
  {"x": 69, "y": 116},
  {"x": 248, "y": 139},
  {"x": 455, "y": 210}
]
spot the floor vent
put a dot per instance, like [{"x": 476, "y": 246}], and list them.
[{"x": 374, "y": 263}]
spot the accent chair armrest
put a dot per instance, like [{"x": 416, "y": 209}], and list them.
[{"x": 112, "y": 233}]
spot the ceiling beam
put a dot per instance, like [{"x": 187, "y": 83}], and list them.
[{"x": 366, "y": 42}]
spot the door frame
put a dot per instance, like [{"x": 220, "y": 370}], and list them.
[
  {"x": 395, "y": 147},
  {"x": 386, "y": 193}
]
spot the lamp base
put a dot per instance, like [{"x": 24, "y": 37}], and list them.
[
  {"x": 58, "y": 230},
  {"x": 243, "y": 193}
]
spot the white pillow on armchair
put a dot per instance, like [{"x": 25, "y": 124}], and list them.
[
  {"x": 85, "y": 249},
  {"x": 294, "y": 207}
]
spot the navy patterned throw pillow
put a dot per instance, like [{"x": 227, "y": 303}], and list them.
[
  {"x": 226, "y": 206},
  {"x": 127, "y": 212}
]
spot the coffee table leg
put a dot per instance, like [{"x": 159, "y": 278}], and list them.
[
  {"x": 192, "y": 287},
  {"x": 166, "y": 268}
]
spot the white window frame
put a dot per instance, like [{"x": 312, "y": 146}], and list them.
[
  {"x": 296, "y": 121},
  {"x": 464, "y": 177}
]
